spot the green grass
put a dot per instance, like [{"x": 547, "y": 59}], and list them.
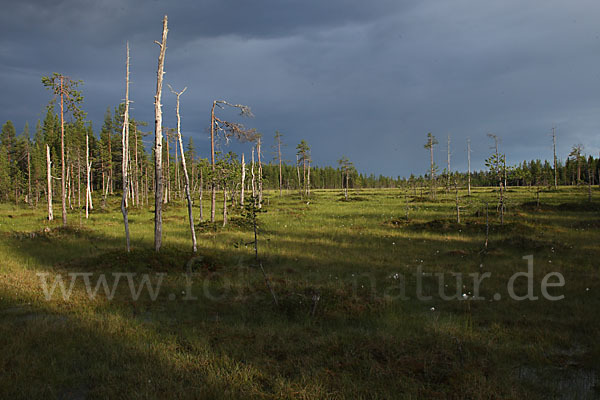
[{"x": 359, "y": 341}]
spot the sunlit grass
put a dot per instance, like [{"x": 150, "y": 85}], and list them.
[{"x": 358, "y": 340}]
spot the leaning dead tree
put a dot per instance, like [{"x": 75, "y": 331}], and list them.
[
  {"x": 125, "y": 145},
  {"x": 229, "y": 130},
  {"x": 158, "y": 182},
  {"x": 185, "y": 173}
]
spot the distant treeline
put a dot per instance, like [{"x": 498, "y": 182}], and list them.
[{"x": 23, "y": 164}]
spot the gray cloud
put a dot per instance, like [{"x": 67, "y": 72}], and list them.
[{"x": 362, "y": 79}]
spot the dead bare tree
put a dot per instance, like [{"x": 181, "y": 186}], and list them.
[
  {"x": 88, "y": 167},
  {"x": 243, "y": 181},
  {"x": 260, "y": 183},
  {"x": 554, "y": 151},
  {"x": 125, "y": 145},
  {"x": 278, "y": 136},
  {"x": 589, "y": 165},
  {"x": 229, "y": 129},
  {"x": 201, "y": 194},
  {"x": 49, "y": 177},
  {"x": 158, "y": 189},
  {"x": 448, "y": 171},
  {"x": 469, "y": 165},
  {"x": 253, "y": 176},
  {"x": 185, "y": 174},
  {"x": 457, "y": 203}
]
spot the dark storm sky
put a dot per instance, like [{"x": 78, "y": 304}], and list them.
[{"x": 365, "y": 79}]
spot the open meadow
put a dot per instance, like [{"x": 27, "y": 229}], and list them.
[{"x": 370, "y": 303}]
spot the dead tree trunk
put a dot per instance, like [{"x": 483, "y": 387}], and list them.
[
  {"x": 87, "y": 176},
  {"x": 457, "y": 204},
  {"x": 448, "y": 171},
  {"x": 260, "y": 183},
  {"x": 469, "y": 166},
  {"x": 49, "y": 177},
  {"x": 201, "y": 194},
  {"x": 110, "y": 165},
  {"x": 487, "y": 226},
  {"x": 167, "y": 196},
  {"x": 501, "y": 203},
  {"x": 185, "y": 174},
  {"x": 125, "y": 143},
  {"x": 177, "y": 184},
  {"x": 278, "y": 137},
  {"x": 253, "y": 176},
  {"x": 308, "y": 180},
  {"x": 136, "y": 171},
  {"x": 224, "y": 204},
  {"x": 28, "y": 174},
  {"x": 346, "y": 187},
  {"x": 79, "y": 184},
  {"x": 406, "y": 201},
  {"x": 298, "y": 173},
  {"x": 589, "y": 182},
  {"x": 213, "y": 199},
  {"x": 158, "y": 181},
  {"x": 243, "y": 181},
  {"x": 554, "y": 151}
]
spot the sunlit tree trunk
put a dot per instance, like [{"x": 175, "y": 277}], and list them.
[
  {"x": 260, "y": 182},
  {"x": 88, "y": 194},
  {"x": 49, "y": 177},
  {"x": 125, "y": 144},
  {"x": 158, "y": 188},
  {"x": 469, "y": 165},
  {"x": 185, "y": 174},
  {"x": 243, "y": 181},
  {"x": 253, "y": 176},
  {"x": 213, "y": 188},
  {"x": 201, "y": 194}
]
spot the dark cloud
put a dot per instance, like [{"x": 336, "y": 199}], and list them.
[{"x": 362, "y": 79}]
